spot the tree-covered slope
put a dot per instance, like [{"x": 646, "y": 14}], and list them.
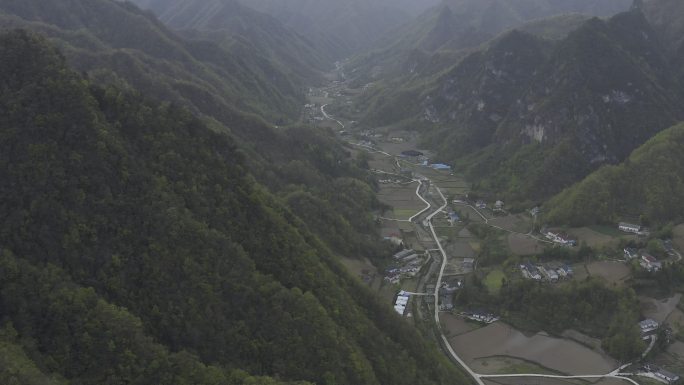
[
  {"x": 346, "y": 26},
  {"x": 461, "y": 24},
  {"x": 116, "y": 42},
  {"x": 136, "y": 248},
  {"x": 648, "y": 183},
  {"x": 526, "y": 117},
  {"x": 224, "y": 21}
]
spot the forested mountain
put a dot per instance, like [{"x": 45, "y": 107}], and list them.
[
  {"x": 226, "y": 21},
  {"x": 299, "y": 164},
  {"x": 137, "y": 248},
  {"x": 348, "y": 25},
  {"x": 460, "y": 24},
  {"x": 649, "y": 183},
  {"x": 117, "y": 43},
  {"x": 537, "y": 115}
]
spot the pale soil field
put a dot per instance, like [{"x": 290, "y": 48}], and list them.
[
  {"x": 659, "y": 310},
  {"x": 455, "y": 267},
  {"x": 612, "y": 272},
  {"x": 390, "y": 228},
  {"x": 583, "y": 339},
  {"x": 402, "y": 198},
  {"x": 580, "y": 271},
  {"x": 519, "y": 244},
  {"x": 592, "y": 238},
  {"x": 470, "y": 213},
  {"x": 358, "y": 266},
  {"x": 518, "y": 223},
  {"x": 543, "y": 381},
  {"x": 461, "y": 249},
  {"x": 381, "y": 162},
  {"x": 507, "y": 365},
  {"x": 454, "y": 325},
  {"x": 465, "y": 233},
  {"x": 673, "y": 358},
  {"x": 676, "y": 321},
  {"x": 677, "y": 348},
  {"x": 556, "y": 354}
]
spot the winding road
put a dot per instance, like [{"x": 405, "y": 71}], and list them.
[{"x": 616, "y": 374}]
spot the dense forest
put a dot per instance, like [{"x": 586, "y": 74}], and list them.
[
  {"x": 137, "y": 248},
  {"x": 648, "y": 184}
]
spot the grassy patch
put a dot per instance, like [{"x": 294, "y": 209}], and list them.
[
  {"x": 493, "y": 281},
  {"x": 607, "y": 230},
  {"x": 405, "y": 213}
]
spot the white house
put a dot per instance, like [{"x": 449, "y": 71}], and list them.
[
  {"x": 666, "y": 376},
  {"x": 629, "y": 228},
  {"x": 648, "y": 325}
]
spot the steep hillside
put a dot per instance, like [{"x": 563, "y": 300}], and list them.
[
  {"x": 136, "y": 248},
  {"x": 527, "y": 117},
  {"x": 649, "y": 183},
  {"x": 351, "y": 24},
  {"x": 117, "y": 42},
  {"x": 461, "y": 24},
  {"x": 225, "y": 21}
]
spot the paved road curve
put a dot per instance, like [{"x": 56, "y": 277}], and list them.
[{"x": 477, "y": 377}]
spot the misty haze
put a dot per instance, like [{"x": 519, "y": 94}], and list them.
[{"x": 341, "y": 192}]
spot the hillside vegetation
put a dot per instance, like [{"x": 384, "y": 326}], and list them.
[
  {"x": 228, "y": 22},
  {"x": 526, "y": 117},
  {"x": 456, "y": 25},
  {"x": 117, "y": 43},
  {"x": 650, "y": 183},
  {"x": 137, "y": 249}
]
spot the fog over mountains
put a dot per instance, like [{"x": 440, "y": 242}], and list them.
[{"x": 180, "y": 207}]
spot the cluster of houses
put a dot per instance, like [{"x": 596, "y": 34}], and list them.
[
  {"x": 407, "y": 264},
  {"x": 497, "y": 208},
  {"x": 401, "y": 302},
  {"x": 646, "y": 260},
  {"x": 453, "y": 217},
  {"x": 390, "y": 181},
  {"x": 446, "y": 295},
  {"x": 480, "y": 316},
  {"x": 415, "y": 156},
  {"x": 560, "y": 238},
  {"x": 648, "y": 327},
  {"x": 546, "y": 273},
  {"x": 440, "y": 167},
  {"x": 661, "y": 374},
  {"x": 632, "y": 228}
]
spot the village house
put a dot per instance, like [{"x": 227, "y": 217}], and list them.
[
  {"x": 481, "y": 205},
  {"x": 411, "y": 154},
  {"x": 550, "y": 274},
  {"x": 401, "y": 302},
  {"x": 530, "y": 272},
  {"x": 648, "y": 326},
  {"x": 441, "y": 167},
  {"x": 650, "y": 263},
  {"x": 454, "y": 218},
  {"x": 629, "y": 228},
  {"x": 666, "y": 376},
  {"x": 480, "y": 316},
  {"x": 560, "y": 238},
  {"x": 630, "y": 253},
  {"x": 403, "y": 253},
  {"x": 499, "y": 206}
]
